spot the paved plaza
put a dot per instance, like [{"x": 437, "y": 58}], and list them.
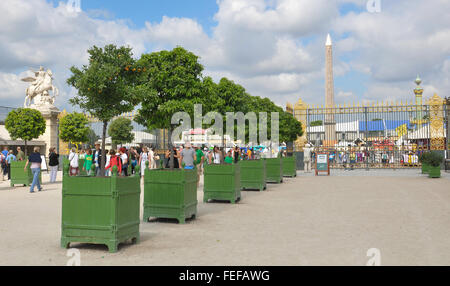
[{"x": 305, "y": 221}]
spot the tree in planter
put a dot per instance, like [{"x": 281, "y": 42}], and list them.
[
  {"x": 26, "y": 124},
  {"x": 120, "y": 131},
  {"x": 435, "y": 160},
  {"x": 171, "y": 82},
  {"x": 73, "y": 128},
  {"x": 106, "y": 86}
]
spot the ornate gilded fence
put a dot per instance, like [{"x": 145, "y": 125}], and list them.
[{"x": 374, "y": 135}]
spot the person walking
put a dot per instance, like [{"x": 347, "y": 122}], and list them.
[
  {"x": 20, "y": 155},
  {"x": 133, "y": 155},
  {"x": 108, "y": 159},
  {"x": 151, "y": 158},
  {"x": 5, "y": 151},
  {"x": 176, "y": 163},
  {"x": 154, "y": 157},
  {"x": 237, "y": 154},
  {"x": 229, "y": 157},
  {"x": 200, "y": 157},
  {"x": 214, "y": 156},
  {"x": 53, "y": 163},
  {"x": 188, "y": 157},
  {"x": 88, "y": 162},
  {"x": 82, "y": 155},
  {"x": 114, "y": 161},
  {"x": 3, "y": 165},
  {"x": 98, "y": 159},
  {"x": 36, "y": 161},
  {"x": 11, "y": 158},
  {"x": 143, "y": 158},
  {"x": 307, "y": 158},
  {"x": 124, "y": 157},
  {"x": 73, "y": 163}
]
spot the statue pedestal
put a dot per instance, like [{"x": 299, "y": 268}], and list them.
[{"x": 50, "y": 137}]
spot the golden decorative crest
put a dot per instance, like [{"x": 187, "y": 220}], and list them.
[{"x": 437, "y": 132}]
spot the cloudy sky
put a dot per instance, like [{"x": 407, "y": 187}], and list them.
[{"x": 274, "y": 48}]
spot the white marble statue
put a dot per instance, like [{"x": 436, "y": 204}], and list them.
[
  {"x": 307, "y": 150},
  {"x": 39, "y": 88}
]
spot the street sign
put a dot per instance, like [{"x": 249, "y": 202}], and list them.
[{"x": 322, "y": 163}]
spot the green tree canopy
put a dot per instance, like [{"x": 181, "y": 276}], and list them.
[
  {"x": 120, "y": 131},
  {"x": 171, "y": 83},
  {"x": 290, "y": 128},
  {"x": 26, "y": 124},
  {"x": 73, "y": 128},
  {"x": 106, "y": 86}
]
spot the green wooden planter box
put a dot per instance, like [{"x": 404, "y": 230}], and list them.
[
  {"x": 170, "y": 194},
  {"x": 425, "y": 168},
  {"x": 222, "y": 182},
  {"x": 274, "y": 170},
  {"x": 21, "y": 177},
  {"x": 100, "y": 210},
  {"x": 289, "y": 167},
  {"x": 253, "y": 175},
  {"x": 434, "y": 172}
]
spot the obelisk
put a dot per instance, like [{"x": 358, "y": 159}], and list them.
[{"x": 330, "y": 124}]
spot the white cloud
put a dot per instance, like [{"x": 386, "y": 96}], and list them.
[{"x": 274, "y": 48}]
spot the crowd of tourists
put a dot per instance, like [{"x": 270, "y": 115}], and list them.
[
  {"x": 124, "y": 159},
  {"x": 6, "y": 157}
]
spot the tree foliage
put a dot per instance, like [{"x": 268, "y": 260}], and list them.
[
  {"x": 120, "y": 131},
  {"x": 107, "y": 85},
  {"x": 73, "y": 128},
  {"x": 25, "y": 123},
  {"x": 171, "y": 82}
]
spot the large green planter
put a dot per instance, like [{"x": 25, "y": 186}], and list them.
[
  {"x": 170, "y": 194},
  {"x": 274, "y": 170},
  {"x": 100, "y": 210},
  {"x": 434, "y": 172},
  {"x": 253, "y": 175},
  {"x": 425, "y": 168},
  {"x": 222, "y": 182},
  {"x": 289, "y": 167},
  {"x": 21, "y": 177}
]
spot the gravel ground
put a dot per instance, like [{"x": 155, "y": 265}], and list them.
[{"x": 305, "y": 221}]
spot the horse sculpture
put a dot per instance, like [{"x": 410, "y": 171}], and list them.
[{"x": 40, "y": 87}]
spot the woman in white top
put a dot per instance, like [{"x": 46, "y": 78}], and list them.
[
  {"x": 214, "y": 156},
  {"x": 73, "y": 160},
  {"x": 143, "y": 158},
  {"x": 108, "y": 158},
  {"x": 151, "y": 159}
]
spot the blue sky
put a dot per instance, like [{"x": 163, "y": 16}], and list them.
[
  {"x": 274, "y": 48},
  {"x": 141, "y": 11}
]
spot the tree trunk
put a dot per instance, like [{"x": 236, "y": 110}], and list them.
[
  {"x": 102, "y": 162},
  {"x": 26, "y": 152},
  {"x": 223, "y": 148},
  {"x": 172, "y": 158}
]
